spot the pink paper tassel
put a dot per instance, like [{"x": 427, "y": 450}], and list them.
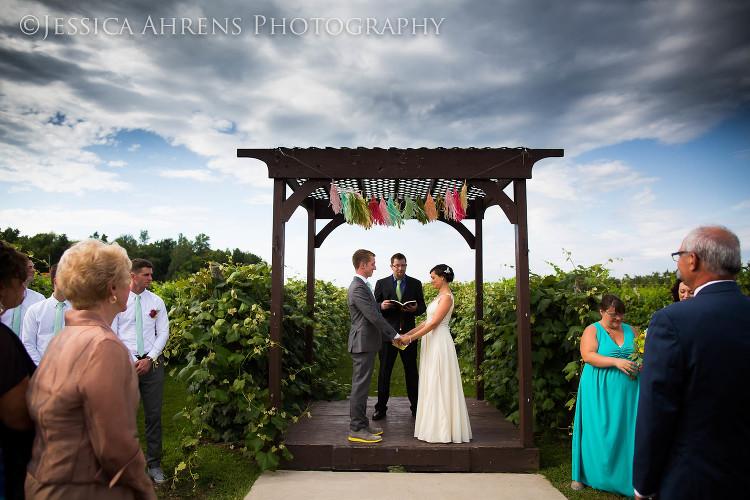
[
  {"x": 450, "y": 208},
  {"x": 460, "y": 212},
  {"x": 384, "y": 212},
  {"x": 377, "y": 217},
  {"x": 335, "y": 199}
]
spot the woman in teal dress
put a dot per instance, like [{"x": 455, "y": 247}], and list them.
[{"x": 604, "y": 427}]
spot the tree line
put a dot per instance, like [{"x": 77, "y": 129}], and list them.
[{"x": 172, "y": 259}]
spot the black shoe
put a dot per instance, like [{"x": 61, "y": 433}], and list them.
[{"x": 378, "y": 415}]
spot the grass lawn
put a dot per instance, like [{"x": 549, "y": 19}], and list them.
[{"x": 225, "y": 474}]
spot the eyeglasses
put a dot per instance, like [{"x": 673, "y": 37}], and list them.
[
  {"x": 676, "y": 255},
  {"x": 398, "y": 265},
  {"x": 615, "y": 315}
]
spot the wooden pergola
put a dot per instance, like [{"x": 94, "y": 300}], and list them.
[{"x": 399, "y": 173}]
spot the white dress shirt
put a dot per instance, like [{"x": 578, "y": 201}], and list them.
[
  {"x": 155, "y": 329},
  {"x": 30, "y": 297},
  {"x": 39, "y": 326}
]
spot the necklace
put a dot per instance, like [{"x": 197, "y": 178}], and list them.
[{"x": 611, "y": 335}]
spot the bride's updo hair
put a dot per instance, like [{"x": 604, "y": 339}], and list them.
[{"x": 444, "y": 271}]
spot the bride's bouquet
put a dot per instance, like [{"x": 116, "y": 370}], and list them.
[{"x": 636, "y": 356}]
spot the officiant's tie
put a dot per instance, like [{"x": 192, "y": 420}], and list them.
[
  {"x": 399, "y": 293},
  {"x": 138, "y": 325},
  {"x": 58, "y": 317}
]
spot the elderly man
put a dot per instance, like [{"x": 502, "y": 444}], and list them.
[
  {"x": 13, "y": 318},
  {"x": 144, "y": 329},
  {"x": 693, "y": 425},
  {"x": 43, "y": 320}
]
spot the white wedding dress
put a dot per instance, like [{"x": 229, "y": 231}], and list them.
[{"x": 442, "y": 416}]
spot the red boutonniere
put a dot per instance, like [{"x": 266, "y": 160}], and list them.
[{"x": 154, "y": 312}]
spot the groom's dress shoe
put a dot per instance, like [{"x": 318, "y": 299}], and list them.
[{"x": 378, "y": 415}]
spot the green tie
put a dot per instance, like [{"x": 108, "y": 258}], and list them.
[
  {"x": 17, "y": 320},
  {"x": 370, "y": 287},
  {"x": 139, "y": 325},
  {"x": 398, "y": 290},
  {"x": 58, "y": 317}
]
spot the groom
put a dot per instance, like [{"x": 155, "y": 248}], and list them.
[{"x": 368, "y": 330}]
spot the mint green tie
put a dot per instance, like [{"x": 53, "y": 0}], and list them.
[
  {"x": 139, "y": 325},
  {"x": 17, "y": 321},
  {"x": 398, "y": 290},
  {"x": 58, "y": 317},
  {"x": 370, "y": 287}
]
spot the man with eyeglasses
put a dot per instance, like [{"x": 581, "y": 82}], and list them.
[
  {"x": 693, "y": 425},
  {"x": 389, "y": 292}
]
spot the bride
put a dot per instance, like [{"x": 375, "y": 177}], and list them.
[{"x": 441, "y": 409}]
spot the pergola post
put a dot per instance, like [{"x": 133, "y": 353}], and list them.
[
  {"x": 278, "y": 245},
  {"x": 310, "y": 282},
  {"x": 478, "y": 299},
  {"x": 523, "y": 318}
]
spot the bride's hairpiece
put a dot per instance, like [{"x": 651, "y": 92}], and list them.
[{"x": 448, "y": 269}]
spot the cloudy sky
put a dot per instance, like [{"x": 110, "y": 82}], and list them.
[{"x": 125, "y": 118}]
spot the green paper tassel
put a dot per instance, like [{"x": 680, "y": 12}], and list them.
[
  {"x": 361, "y": 212},
  {"x": 419, "y": 212},
  {"x": 394, "y": 210},
  {"x": 440, "y": 207},
  {"x": 350, "y": 207},
  {"x": 409, "y": 209}
]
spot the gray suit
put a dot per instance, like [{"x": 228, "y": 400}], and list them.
[{"x": 367, "y": 333}]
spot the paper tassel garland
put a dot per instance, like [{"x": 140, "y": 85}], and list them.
[
  {"x": 464, "y": 199},
  {"x": 377, "y": 217},
  {"x": 384, "y": 212},
  {"x": 409, "y": 209},
  {"x": 395, "y": 212}
]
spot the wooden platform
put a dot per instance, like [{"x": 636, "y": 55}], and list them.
[{"x": 320, "y": 443}]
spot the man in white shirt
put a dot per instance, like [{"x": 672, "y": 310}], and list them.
[
  {"x": 144, "y": 329},
  {"x": 13, "y": 318},
  {"x": 43, "y": 320}
]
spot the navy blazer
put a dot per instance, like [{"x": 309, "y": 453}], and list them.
[{"x": 693, "y": 426}]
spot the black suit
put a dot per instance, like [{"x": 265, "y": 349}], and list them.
[
  {"x": 385, "y": 289},
  {"x": 693, "y": 427}
]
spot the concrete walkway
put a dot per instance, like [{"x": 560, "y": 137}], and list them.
[{"x": 315, "y": 485}]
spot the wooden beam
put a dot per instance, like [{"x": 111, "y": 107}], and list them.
[
  {"x": 328, "y": 229},
  {"x": 478, "y": 300},
  {"x": 277, "y": 293},
  {"x": 498, "y": 197},
  {"x": 376, "y": 163},
  {"x": 299, "y": 195},
  {"x": 309, "y": 330},
  {"x": 523, "y": 319},
  {"x": 462, "y": 230}
]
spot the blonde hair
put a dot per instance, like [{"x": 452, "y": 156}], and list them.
[{"x": 88, "y": 269}]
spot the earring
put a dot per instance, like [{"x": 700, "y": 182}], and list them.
[{"x": 112, "y": 299}]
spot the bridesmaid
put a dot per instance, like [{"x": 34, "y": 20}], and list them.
[{"x": 604, "y": 427}]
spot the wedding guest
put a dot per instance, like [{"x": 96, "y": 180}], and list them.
[
  {"x": 44, "y": 320},
  {"x": 604, "y": 425},
  {"x": 693, "y": 424},
  {"x": 144, "y": 329},
  {"x": 402, "y": 288},
  {"x": 13, "y": 317},
  {"x": 16, "y": 368},
  {"x": 680, "y": 291},
  {"x": 83, "y": 396}
]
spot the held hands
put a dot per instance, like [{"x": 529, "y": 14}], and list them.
[{"x": 401, "y": 340}]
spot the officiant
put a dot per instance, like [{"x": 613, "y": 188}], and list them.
[{"x": 390, "y": 293}]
